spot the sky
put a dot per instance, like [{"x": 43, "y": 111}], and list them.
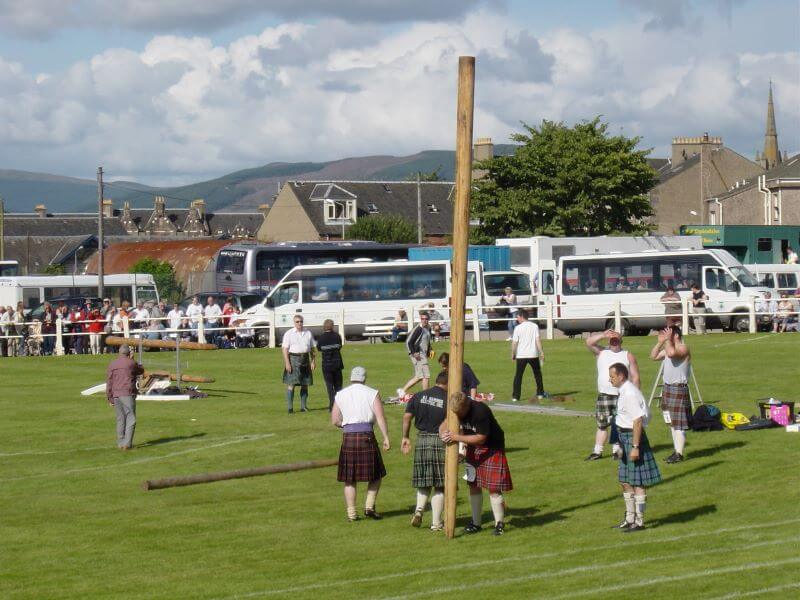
[{"x": 167, "y": 92}]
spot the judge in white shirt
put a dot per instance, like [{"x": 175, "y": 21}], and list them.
[
  {"x": 212, "y": 313},
  {"x": 195, "y": 312},
  {"x": 174, "y": 318}
]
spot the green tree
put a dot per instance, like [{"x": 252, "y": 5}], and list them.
[
  {"x": 429, "y": 176},
  {"x": 386, "y": 229},
  {"x": 564, "y": 181},
  {"x": 54, "y": 270},
  {"x": 169, "y": 288}
]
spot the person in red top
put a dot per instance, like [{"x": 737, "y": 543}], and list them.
[
  {"x": 121, "y": 394},
  {"x": 96, "y": 326}
]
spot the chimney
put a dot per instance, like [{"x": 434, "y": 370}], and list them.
[
  {"x": 200, "y": 205},
  {"x": 263, "y": 209},
  {"x": 683, "y": 148},
  {"x": 108, "y": 208},
  {"x": 160, "y": 206},
  {"x": 41, "y": 211},
  {"x": 482, "y": 149}
]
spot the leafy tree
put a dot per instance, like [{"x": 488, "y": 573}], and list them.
[
  {"x": 386, "y": 229},
  {"x": 564, "y": 181},
  {"x": 169, "y": 288},
  {"x": 429, "y": 176},
  {"x": 54, "y": 270}
]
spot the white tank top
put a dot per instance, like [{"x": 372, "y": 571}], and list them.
[
  {"x": 605, "y": 359},
  {"x": 355, "y": 402},
  {"x": 676, "y": 371}
]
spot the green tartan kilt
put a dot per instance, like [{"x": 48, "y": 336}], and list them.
[
  {"x": 428, "y": 461},
  {"x": 301, "y": 371},
  {"x": 644, "y": 472}
]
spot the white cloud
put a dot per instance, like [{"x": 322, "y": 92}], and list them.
[{"x": 184, "y": 108}]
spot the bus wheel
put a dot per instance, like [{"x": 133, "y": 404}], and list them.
[
  {"x": 741, "y": 324},
  {"x": 624, "y": 326},
  {"x": 261, "y": 339}
]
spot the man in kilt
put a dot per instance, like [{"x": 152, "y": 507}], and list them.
[
  {"x": 637, "y": 467},
  {"x": 428, "y": 409},
  {"x": 356, "y": 409},
  {"x": 298, "y": 363},
  {"x": 606, "y": 403},
  {"x": 486, "y": 458},
  {"x": 675, "y": 402}
]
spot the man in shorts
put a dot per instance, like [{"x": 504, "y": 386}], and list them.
[{"x": 418, "y": 344}]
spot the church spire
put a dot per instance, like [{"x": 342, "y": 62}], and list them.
[{"x": 771, "y": 156}]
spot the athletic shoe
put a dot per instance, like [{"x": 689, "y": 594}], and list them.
[
  {"x": 499, "y": 528},
  {"x": 508, "y": 339},
  {"x": 633, "y": 528},
  {"x": 437, "y": 527},
  {"x": 416, "y": 520},
  {"x": 624, "y": 525},
  {"x": 400, "y": 393},
  {"x": 515, "y": 399},
  {"x": 675, "y": 458},
  {"x": 594, "y": 456},
  {"x": 353, "y": 519},
  {"x": 472, "y": 528},
  {"x": 371, "y": 514},
  {"x": 543, "y": 396}
]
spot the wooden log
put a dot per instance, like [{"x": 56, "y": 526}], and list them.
[
  {"x": 464, "y": 112},
  {"x": 169, "y": 345},
  {"x": 160, "y": 484},
  {"x": 174, "y": 377}
]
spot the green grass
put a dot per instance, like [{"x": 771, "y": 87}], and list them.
[{"x": 75, "y": 522}]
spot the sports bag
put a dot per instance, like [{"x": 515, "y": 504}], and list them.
[
  {"x": 731, "y": 420},
  {"x": 706, "y": 418}
]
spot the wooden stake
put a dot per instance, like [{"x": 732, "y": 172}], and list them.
[
  {"x": 466, "y": 92},
  {"x": 159, "y": 484}
]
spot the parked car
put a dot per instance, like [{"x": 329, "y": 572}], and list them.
[{"x": 68, "y": 301}]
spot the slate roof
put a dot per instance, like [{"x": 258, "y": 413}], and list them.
[
  {"x": 386, "y": 198},
  {"x": 787, "y": 170},
  {"x": 219, "y": 224},
  {"x": 24, "y": 224},
  {"x": 43, "y": 250}
]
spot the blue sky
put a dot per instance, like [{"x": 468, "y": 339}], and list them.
[{"x": 172, "y": 92}]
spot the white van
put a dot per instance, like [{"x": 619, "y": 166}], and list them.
[
  {"x": 783, "y": 278},
  {"x": 359, "y": 293},
  {"x": 589, "y": 288}
]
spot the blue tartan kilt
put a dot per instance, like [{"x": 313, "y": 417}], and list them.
[
  {"x": 642, "y": 473},
  {"x": 428, "y": 467},
  {"x": 301, "y": 371}
]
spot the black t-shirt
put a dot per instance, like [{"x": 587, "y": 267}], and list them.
[
  {"x": 429, "y": 408},
  {"x": 468, "y": 379},
  {"x": 480, "y": 420},
  {"x": 330, "y": 345},
  {"x": 699, "y": 296}
]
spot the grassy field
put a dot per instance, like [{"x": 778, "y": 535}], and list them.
[{"x": 75, "y": 522}]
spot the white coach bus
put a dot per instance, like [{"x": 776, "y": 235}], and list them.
[
  {"x": 588, "y": 288},
  {"x": 33, "y": 290},
  {"x": 365, "y": 292}
]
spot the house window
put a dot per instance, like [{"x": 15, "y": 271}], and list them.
[
  {"x": 372, "y": 209},
  {"x": 340, "y": 211},
  {"x": 713, "y": 217}
]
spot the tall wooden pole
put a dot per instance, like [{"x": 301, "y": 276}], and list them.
[
  {"x": 466, "y": 93},
  {"x": 101, "y": 288}
]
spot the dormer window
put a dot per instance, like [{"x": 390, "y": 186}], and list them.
[
  {"x": 432, "y": 208},
  {"x": 338, "y": 212},
  {"x": 372, "y": 209}
]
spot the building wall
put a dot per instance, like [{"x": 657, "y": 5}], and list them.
[
  {"x": 747, "y": 207},
  {"x": 287, "y": 220},
  {"x": 674, "y": 199}
]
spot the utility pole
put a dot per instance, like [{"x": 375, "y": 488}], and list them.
[
  {"x": 464, "y": 115},
  {"x": 2, "y": 230},
  {"x": 101, "y": 291},
  {"x": 419, "y": 210}
]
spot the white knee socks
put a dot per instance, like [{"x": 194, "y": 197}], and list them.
[
  {"x": 641, "y": 503},
  {"x": 437, "y": 506},
  {"x": 476, "y": 504},
  {"x": 679, "y": 440},
  {"x": 630, "y": 507},
  {"x": 422, "y": 498},
  {"x": 498, "y": 508},
  {"x": 371, "y": 497}
]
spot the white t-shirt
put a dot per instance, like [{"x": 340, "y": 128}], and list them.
[
  {"x": 298, "y": 342},
  {"x": 212, "y": 312},
  {"x": 355, "y": 401},
  {"x": 140, "y": 314},
  {"x": 193, "y": 311},
  {"x": 604, "y": 360},
  {"x": 630, "y": 406},
  {"x": 175, "y": 316},
  {"x": 525, "y": 335}
]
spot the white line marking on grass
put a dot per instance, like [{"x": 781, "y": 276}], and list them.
[
  {"x": 769, "y": 590},
  {"x": 589, "y": 569},
  {"x": 755, "y": 339},
  {"x": 138, "y": 461},
  {"x": 144, "y": 445},
  {"x": 603, "y": 547},
  {"x": 674, "y": 578}
]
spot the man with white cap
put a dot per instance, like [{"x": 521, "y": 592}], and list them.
[
  {"x": 606, "y": 404},
  {"x": 356, "y": 408},
  {"x": 121, "y": 394}
]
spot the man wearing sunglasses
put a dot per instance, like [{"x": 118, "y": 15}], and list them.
[{"x": 298, "y": 362}]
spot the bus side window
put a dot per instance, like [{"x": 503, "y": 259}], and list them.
[
  {"x": 548, "y": 283},
  {"x": 288, "y": 294},
  {"x": 787, "y": 281},
  {"x": 767, "y": 280}
]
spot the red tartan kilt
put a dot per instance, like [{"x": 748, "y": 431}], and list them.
[
  {"x": 360, "y": 458},
  {"x": 491, "y": 466}
]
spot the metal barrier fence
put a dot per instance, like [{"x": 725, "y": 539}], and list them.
[{"x": 204, "y": 329}]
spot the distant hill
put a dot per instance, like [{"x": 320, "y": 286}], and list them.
[{"x": 241, "y": 190}]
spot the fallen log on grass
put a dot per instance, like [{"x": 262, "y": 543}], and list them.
[
  {"x": 174, "y": 377},
  {"x": 159, "y": 484},
  {"x": 169, "y": 345}
]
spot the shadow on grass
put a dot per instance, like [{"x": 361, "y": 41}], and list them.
[
  {"x": 685, "y": 516},
  {"x": 168, "y": 440},
  {"x": 712, "y": 450},
  {"x": 232, "y": 392}
]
